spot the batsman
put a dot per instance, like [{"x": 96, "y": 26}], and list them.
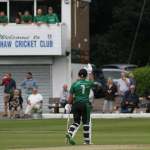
[{"x": 81, "y": 106}]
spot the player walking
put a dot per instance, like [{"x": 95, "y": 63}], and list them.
[{"x": 81, "y": 107}]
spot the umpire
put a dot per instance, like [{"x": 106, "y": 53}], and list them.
[{"x": 81, "y": 107}]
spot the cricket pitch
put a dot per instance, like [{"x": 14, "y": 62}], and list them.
[{"x": 95, "y": 147}]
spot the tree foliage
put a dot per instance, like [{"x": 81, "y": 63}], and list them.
[
  {"x": 142, "y": 76},
  {"x": 113, "y": 45}
]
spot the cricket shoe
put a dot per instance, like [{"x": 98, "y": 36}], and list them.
[
  {"x": 70, "y": 139},
  {"x": 88, "y": 143}
]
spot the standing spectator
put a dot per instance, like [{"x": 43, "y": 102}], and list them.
[
  {"x": 132, "y": 79},
  {"x": 130, "y": 101},
  {"x": 34, "y": 102},
  {"x": 39, "y": 18},
  {"x": 110, "y": 94},
  {"x": 64, "y": 95},
  {"x": 51, "y": 17},
  {"x": 123, "y": 84},
  {"x": 18, "y": 18},
  {"x": 9, "y": 86},
  {"x": 15, "y": 103},
  {"x": 28, "y": 84},
  {"x": 3, "y": 18},
  {"x": 26, "y": 18}
]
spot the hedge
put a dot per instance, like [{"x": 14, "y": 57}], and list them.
[{"x": 142, "y": 77}]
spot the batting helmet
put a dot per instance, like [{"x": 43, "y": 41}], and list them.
[{"x": 82, "y": 73}]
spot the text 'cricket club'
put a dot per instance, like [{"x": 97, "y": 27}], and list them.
[{"x": 26, "y": 44}]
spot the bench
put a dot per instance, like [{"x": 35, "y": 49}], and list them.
[{"x": 54, "y": 106}]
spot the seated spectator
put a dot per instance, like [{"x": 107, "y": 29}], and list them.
[
  {"x": 147, "y": 97},
  {"x": 3, "y": 18},
  {"x": 110, "y": 93},
  {"x": 35, "y": 101},
  {"x": 130, "y": 101},
  {"x": 26, "y": 18},
  {"x": 147, "y": 94},
  {"x": 15, "y": 104},
  {"x": 64, "y": 95},
  {"x": 39, "y": 18},
  {"x": 51, "y": 17}
]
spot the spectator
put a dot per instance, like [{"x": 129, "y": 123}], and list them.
[
  {"x": 130, "y": 101},
  {"x": 15, "y": 103},
  {"x": 19, "y": 14},
  {"x": 34, "y": 102},
  {"x": 28, "y": 84},
  {"x": 123, "y": 84},
  {"x": 64, "y": 95},
  {"x": 110, "y": 94},
  {"x": 147, "y": 94},
  {"x": 3, "y": 18},
  {"x": 9, "y": 86},
  {"x": 132, "y": 79},
  {"x": 26, "y": 18},
  {"x": 39, "y": 18},
  {"x": 147, "y": 100},
  {"x": 18, "y": 18},
  {"x": 51, "y": 17}
]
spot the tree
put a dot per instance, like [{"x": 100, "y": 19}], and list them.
[{"x": 114, "y": 45}]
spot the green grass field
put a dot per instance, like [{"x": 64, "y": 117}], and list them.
[{"x": 51, "y": 133}]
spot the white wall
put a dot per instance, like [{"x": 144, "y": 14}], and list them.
[
  {"x": 60, "y": 74},
  {"x": 66, "y": 18},
  {"x": 61, "y": 68},
  {"x": 74, "y": 71}
]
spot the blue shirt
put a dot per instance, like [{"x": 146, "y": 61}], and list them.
[{"x": 28, "y": 85}]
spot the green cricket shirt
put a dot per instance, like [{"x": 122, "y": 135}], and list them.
[
  {"x": 40, "y": 19},
  {"x": 52, "y": 18},
  {"x": 3, "y": 19},
  {"x": 81, "y": 90},
  {"x": 26, "y": 18}
]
